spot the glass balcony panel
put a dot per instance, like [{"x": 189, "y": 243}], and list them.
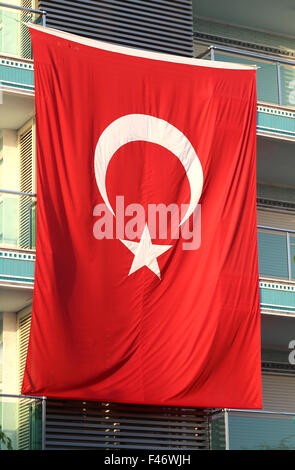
[
  {"x": 288, "y": 85},
  {"x": 267, "y": 75},
  {"x": 206, "y": 56},
  {"x": 217, "y": 432},
  {"x": 267, "y": 79},
  {"x": 14, "y": 34},
  {"x": 261, "y": 431},
  {"x": 272, "y": 254},
  {"x": 292, "y": 256},
  {"x": 17, "y": 221},
  {"x": 20, "y": 423}
]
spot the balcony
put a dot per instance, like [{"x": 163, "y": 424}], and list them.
[
  {"x": 275, "y": 89},
  {"x": 276, "y": 256},
  {"x": 276, "y": 253},
  {"x": 17, "y": 220},
  {"x": 275, "y": 76},
  {"x": 276, "y": 117},
  {"x": 16, "y": 66},
  {"x": 26, "y": 425},
  {"x": 276, "y": 248},
  {"x": 253, "y": 430},
  {"x": 14, "y": 34},
  {"x": 21, "y": 422},
  {"x": 17, "y": 249}
]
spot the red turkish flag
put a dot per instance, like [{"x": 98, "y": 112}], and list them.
[{"x": 126, "y": 310}]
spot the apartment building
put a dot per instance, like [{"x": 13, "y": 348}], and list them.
[{"x": 221, "y": 31}]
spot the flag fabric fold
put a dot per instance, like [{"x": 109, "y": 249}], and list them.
[{"x": 146, "y": 278}]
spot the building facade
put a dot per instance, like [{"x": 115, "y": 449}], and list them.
[{"x": 235, "y": 33}]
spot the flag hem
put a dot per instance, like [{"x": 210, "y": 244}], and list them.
[{"x": 140, "y": 52}]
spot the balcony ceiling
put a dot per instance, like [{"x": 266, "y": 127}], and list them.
[
  {"x": 277, "y": 331},
  {"x": 17, "y": 108},
  {"x": 272, "y": 16},
  {"x": 14, "y": 298}
]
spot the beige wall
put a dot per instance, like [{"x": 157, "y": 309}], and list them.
[
  {"x": 13, "y": 364},
  {"x": 9, "y": 370}
]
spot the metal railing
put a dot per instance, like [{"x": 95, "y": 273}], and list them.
[
  {"x": 14, "y": 34},
  {"x": 276, "y": 246},
  {"x": 275, "y": 75},
  {"x": 259, "y": 430},
  {"x": 20, "y": 193},
  {"x": 23, "y": 420},
  {"x": 29, "y": 10}
]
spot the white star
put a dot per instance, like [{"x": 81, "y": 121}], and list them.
[{"x": 145, "y": 253}]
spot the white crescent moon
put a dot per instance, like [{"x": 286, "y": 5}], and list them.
[{"x": 134, "y": 127}]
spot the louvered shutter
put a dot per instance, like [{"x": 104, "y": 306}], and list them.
[
  {"x": 23, "y": 328},
  {"x": 157, "y": 25},
  {"x": 24, "y": 416},
  {"x": 276, "y": 219},
  {"x": 26, "y": 203},
  {"x": 90, "y": 425},
  {"x": 25, "y": 40},
  {"x": 278, "y": 392},
  {"x": 272, "y": 244}
]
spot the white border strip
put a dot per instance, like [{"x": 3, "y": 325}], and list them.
[
  {"x": 16, "y": 285},
  {"x": 30, "y": 92},
  {"x": 31, "y": 87},
  {"x": 278, "y": 313},
  {"x": 273, "y": 135},
  {"x": 286, "y": 308},
  {"x": 31, "y": 278},
  {"x": 141, "y": 53},
  {"x": 276, "y": 129}
]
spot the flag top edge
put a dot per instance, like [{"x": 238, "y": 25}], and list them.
[{"x": 140, "y": 52}]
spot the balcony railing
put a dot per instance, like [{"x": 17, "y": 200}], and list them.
[
  {"x": 18, "y": 211},
  {"x": 22, "y": 421},
  {"x": 275, "y": 76},
  {"x": 276, "y": 253},
  {"x": 17, "y": 219},
  {"x": 253, "y": 430},
  {"x": 15, "y": 38}
]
